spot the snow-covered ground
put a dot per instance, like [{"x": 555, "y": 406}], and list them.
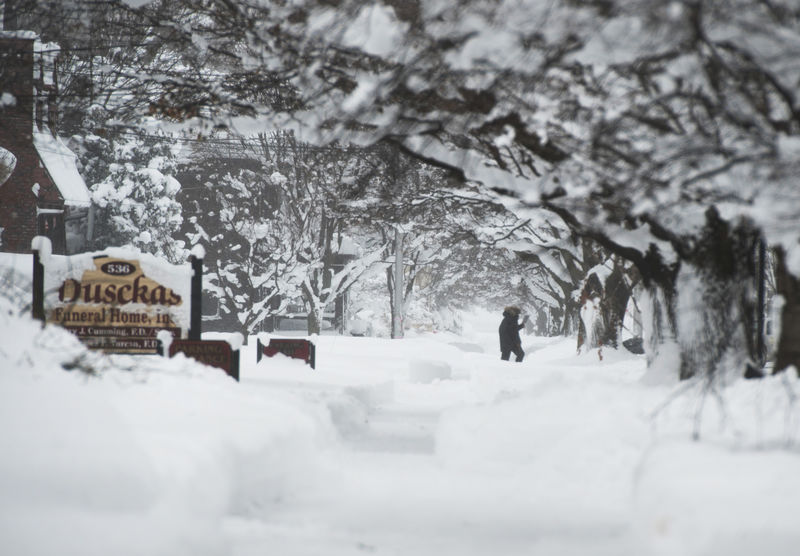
[{"x": 428, "y": 445}]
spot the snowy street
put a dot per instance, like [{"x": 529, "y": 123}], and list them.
[
  {"x": 388, "y": 490},
  {"x": 198, "y": 197},
  {"x": 498, "y": 458},
  {"x": 426, "y": 445}
]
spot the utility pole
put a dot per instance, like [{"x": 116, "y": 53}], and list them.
[{"x": 397, "y": 293}]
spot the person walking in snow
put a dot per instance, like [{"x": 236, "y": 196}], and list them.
[{"x": 509, "y": 334}]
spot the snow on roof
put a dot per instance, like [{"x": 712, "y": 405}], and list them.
[
  {"x": 14, "y": 34},
  {"x": 43, "y": 245},
  {"x": 60, "y": 163},
  {"x": 46, "y": 47}
]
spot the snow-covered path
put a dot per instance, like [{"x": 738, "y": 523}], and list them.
[
  {"x": 423, "y": 446},
  {"x": 390, "y": 488}
]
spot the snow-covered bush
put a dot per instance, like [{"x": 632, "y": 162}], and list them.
[
  {"x": 133, "y": 187},
  {"x": 137, "y": 204}
]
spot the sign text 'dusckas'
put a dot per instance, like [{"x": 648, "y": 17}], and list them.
[{"x": 115, "y": 306}]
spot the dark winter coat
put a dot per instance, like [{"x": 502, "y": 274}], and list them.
[{"x": 509, "y": 331}]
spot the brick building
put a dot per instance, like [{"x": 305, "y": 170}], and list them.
[{"x": 44, "y": 194}]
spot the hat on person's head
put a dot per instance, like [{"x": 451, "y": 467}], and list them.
[{"x": 512, "y": 310}]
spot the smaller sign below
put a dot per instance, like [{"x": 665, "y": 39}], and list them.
[
  {"x": 295, "y": 348},
  {"x": 214, "y": 353}
]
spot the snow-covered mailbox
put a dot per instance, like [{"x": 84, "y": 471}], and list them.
[{"x": 119, "y": 299}]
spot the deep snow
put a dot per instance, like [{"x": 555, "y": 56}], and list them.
[{"x": 426, "y": 445}]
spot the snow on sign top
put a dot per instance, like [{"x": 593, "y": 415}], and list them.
[
  {"x": 42, "y": 245},
  {"x": 60, "y": 164},
  {"x": 198, "y": 251}
]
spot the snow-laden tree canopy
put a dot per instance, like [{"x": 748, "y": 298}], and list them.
[
  {"x": 665, "y": 131},
  {"x": 626, "y": 115},
  {"x": 650, "y": 111}
]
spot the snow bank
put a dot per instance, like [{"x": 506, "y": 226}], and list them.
[
  {"x": 147, "y": 456},
  {"x": 342, "y": 387},
  {"x": 575, "y": 436},
  {"x": 468, "y": 347},
  {"x": 16, "y": 277},
  {"x": 373, "y": 451},
  {"x": 428, "y": 371},
  {"x": 595, "y": 440},
  {"x": 699, "y": 499}
]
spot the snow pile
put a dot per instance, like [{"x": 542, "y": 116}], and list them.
[
  {"x": 16, "y": 276},
  {"x": 575, "y": 438},
  {"x": 698, "y": 499},
  {"x": 414, "y": 446},
  {"x": 428, "y": 371},
  {"x": 594, "y": 443},
  {"x": 135, "y": 455}
]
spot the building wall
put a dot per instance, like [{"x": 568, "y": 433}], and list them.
[{"x": 29, "y": 199}]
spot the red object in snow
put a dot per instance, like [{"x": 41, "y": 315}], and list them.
[{"x": 295, "y": 348}]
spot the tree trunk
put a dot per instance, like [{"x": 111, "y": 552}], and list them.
[
  {"x": 314, "y": 321},
  {"x": 571, "y": 317},
  {"x": 339, "y": 310},
  {"x": 716, "y": 302},
  {"x": 245, "y": 331},
  {"x": 702, "y": 303},
  {"x": 590, "y": 323},
  {"x": 612, "y": 305},
  {"x": 659, "y": 332},
  {"x": 314, "y": 316},
  {"x": 788, "y": 286},
  {"x": 609, "y": 300}
]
